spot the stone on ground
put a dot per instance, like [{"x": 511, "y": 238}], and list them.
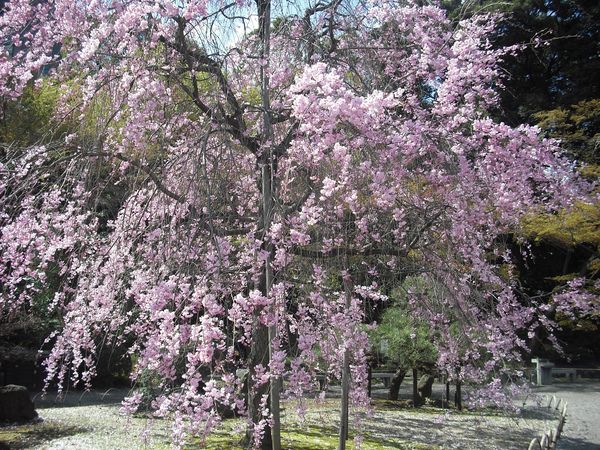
[{"x": 15, "y": 404}]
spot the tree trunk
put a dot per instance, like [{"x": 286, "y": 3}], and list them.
[
  {"x": 369, "y": 379},
  {"x": 345, "y": 376},
  {"x": 416, "y": 398},
  {"x": 569, "y": 255},
  {"x": 447, "y": 399},
  {"x": 272, "y": 330},
  {"x": 259, "y": 355},
  {"x": 345, "y": 402},
  {"x": 267, "y": 165},
  {"x": 395, "y": 383},
  {"x": 458, "y": 396}
]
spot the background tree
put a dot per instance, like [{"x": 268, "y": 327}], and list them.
[
  {"x": 558, "y": 65},
  {"x": 552, "y": 82},
  {"x": 403, "y": 340}
]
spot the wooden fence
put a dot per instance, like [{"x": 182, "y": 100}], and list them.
[{"x": 550, "y": 437}]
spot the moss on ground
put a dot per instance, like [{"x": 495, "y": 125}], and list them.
[
  {"x": 308, "y": 437},
  {"x": 297, "y": 437},
  {"x": 35, "y": 434}
]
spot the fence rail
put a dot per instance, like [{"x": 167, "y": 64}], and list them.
[{"x": 550, "y": 438}]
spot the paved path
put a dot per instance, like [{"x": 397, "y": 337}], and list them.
[{"x": 582, "y": 429}]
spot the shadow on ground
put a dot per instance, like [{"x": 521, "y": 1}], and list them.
[
  {"x": 469, "y": 433},
  {"x": 79, "y": 398},
  {"x": 35, "y": 434},
  {"x": 567, "y": 443}
]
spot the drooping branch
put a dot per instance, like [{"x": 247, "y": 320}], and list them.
[
  {"x": 197, "y": 60},
  {"x": 151, "y": 175},
  {"x": 341, "y": 251}
]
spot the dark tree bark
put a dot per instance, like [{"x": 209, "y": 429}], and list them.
[
  {"x": 416, "y": 397},
  {"x": 458, "y": 396},
  {"x": 259, "y": 354},
  {"x": 395, "y": 383},
  {"x": 343, "y": 436},
  {"x": 268, "y": 164}
]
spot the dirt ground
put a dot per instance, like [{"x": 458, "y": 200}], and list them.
[{"x": 91, "y": 420}]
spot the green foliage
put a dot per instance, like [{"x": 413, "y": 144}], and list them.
[
  {"x": 575, "y": 233},
  {"x": 404, "y": 340},
  {"x": 27, "y": 120},
  {"x": 566, "y": 246},
  {"x": 23, "y": 335},
  {"x": 148, "y": 385},
  {"x": 567, "y": 228},
  {"x": 578, "y": 128}
]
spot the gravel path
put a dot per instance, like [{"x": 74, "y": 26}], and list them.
[{"x": 582, "y": 428}]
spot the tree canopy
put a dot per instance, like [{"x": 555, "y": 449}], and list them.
[{"x": 271, "y": 181}]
